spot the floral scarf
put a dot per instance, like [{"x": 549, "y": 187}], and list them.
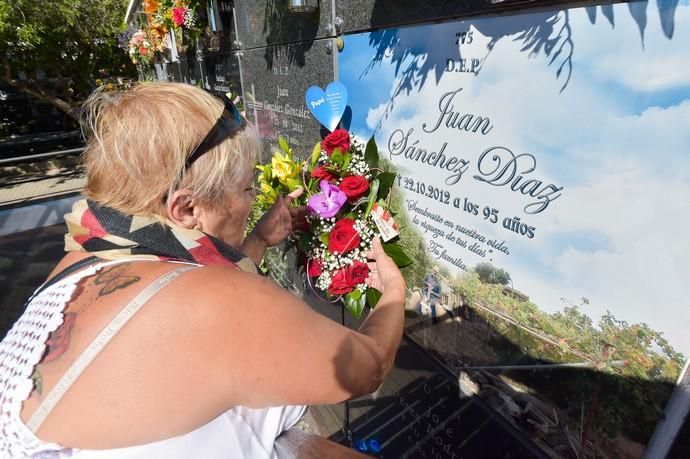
[{"x": 110, "y": 234}]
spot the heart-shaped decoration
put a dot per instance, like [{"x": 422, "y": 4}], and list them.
[{"x": 327, "y": 106}]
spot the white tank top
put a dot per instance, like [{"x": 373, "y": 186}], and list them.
[{"x": 238, "y": 433}]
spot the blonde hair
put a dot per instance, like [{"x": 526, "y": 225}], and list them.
[{"x": 138, "y": 141}]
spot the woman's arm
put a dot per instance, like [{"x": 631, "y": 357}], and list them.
[{"x": 264, "y": 346}]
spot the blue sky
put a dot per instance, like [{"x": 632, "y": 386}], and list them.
[{"x": 617, "y": 138}]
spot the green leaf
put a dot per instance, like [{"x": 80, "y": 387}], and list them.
[
  {"x": 373, "y": 297},
  {"x": 337, "y": 157},
  {"x": 282, "y": 143},
  {"x": 373, "y": 191},
  {"x": 315, "y": 153},
  {"x": 386, "y": 180},
  {"x": 397, "y": 253},
  {"x": 324, "y": 238},
  {"x": 304, "y": 242},
  {"x": 346, "y": 160},
  {"x": 355, "y": 302},
  {"x": 371, "y": 153}
]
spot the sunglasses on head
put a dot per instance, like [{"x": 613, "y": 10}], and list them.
[{"x": 229, "y": 123}]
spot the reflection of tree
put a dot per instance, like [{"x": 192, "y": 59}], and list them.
[
  {"x": 542, "y": 32},
  {"x": 410, "y": 237},
  {"x": 627, "y": 398},
  {"x": 491, "y": 274}
]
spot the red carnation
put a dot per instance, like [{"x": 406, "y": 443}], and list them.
[
  {"x": 339, "y": 139},
  {"x": 341, "y": 282},
  {"x": 323, "y": 174},
  {"x": 354, "y": 187},
  {"x": 315, "y": 267},
  {"x": 343, "y": 237},
  {"x": 178, "y": 15}
]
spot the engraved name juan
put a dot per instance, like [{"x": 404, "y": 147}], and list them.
[{"x": 497, "y": 165}]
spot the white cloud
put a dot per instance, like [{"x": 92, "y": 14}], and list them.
[{"x": 660, "y": 64}]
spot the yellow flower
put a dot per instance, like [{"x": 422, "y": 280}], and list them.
[
  {"x": 268, "y": 193},
  {"x": 283, "y": 167},
  {"x": 292, "y": 184}
]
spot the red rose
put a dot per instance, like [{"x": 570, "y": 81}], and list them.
[
  {"x": 339, "y": 139},
  {"x": 354, "y": 187},
  {"x": 358, "y": 272},
  {"x": 315, "y": 267},
  {"x": 341, "y": 282},
  {"x": 323, "y": 174},
  {"x": 344, "y": 237}
]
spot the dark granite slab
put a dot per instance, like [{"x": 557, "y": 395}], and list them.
[
  {"x": 268, "y": 22},
  {"x": 226, "y": 37},
  {"x": 275, "y": 80},
  {"x": 26, "y": 259},
  {"x": 361, "y": 15}
]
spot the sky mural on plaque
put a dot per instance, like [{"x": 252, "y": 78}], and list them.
[{"x": 544, "y": 165}]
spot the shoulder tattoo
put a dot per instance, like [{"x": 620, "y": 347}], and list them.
[{"x": 115, "y": 278}]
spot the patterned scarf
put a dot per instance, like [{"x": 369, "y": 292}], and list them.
[{"x": 110, "y": 234}]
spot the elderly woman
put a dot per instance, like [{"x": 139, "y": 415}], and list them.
[{"x": 154, "y": 336}]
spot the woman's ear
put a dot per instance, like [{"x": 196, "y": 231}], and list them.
[{"x": 182, "y": 209}]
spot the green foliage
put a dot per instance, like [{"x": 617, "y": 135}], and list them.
[
  {"x": 373, "y": 193},
  {"x": 282, "y": 143},
  {"x": 355, "y": 302},
  {"x": 490, "y": 274},
  {"x": 397, "y": 253},
  {"x": 386, "y": 180},
  {"x": 371, "y": 153},
  {"x": 316, "y": 152},
  {"x": 373, "y": 297},
  {"x": 72, "y": 42},
  {"x": 415, "y": 245},
  {"x": 632, "y": 396}
]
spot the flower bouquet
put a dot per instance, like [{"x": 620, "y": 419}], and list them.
[
  {"x": 139, "y": 48},
  {"x": 347, "y": 196}
]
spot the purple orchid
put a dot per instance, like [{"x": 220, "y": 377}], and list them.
[{"x": 327, "y": 203}]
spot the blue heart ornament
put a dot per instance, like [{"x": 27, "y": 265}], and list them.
[{"x": 327, "y": 106}]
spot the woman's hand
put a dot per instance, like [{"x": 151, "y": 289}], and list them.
[
  {"x": 280, "y": 220},
  {"x": 383, "y": 272}
]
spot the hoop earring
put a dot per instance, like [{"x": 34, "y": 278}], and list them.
[{"x": 197, "y": 226}]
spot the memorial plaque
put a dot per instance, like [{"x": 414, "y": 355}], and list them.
[
  {"x": 274, "y": 81},
  {"x": 223, "y": 73},
  {"x": 544, "y": 196},
  {"x": 268, "y": 22},
  {"x": 188, "y": 69},
  {"x": 184, "y": 66},
  {"x": 174, "y": 71},
  {"x": 160, "y": 70}
]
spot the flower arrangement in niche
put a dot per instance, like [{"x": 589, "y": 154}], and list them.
[
  {"x": 161, "y": 17},
  {"x": 139, "y": 47},
  {"x": 343, "y": 185},
  {"x": 176, "y": 15}
]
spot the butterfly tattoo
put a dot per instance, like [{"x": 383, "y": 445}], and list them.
[{"x": 115, "y": 278}]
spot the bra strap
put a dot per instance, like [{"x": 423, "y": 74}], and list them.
[{"x": 97, "y": 345}]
